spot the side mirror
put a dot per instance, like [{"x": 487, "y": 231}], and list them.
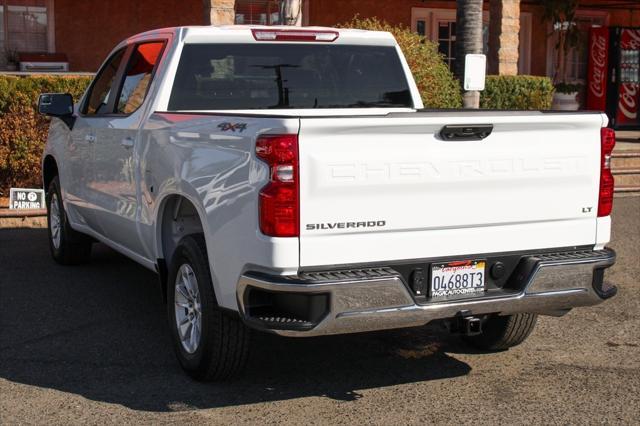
[{"x": 58, "y": 105}]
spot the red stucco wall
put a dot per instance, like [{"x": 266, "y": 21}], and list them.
[
  {"x": 331, "y": 12},
  {"x": 87, "y": 30}
]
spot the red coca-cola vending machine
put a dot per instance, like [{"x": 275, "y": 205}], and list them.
[{"x": 613, "y": 78}]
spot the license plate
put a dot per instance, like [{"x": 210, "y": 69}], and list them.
[{"x": 457, "y": 278}]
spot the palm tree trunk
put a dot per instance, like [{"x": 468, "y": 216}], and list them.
[
  {"x": 468, "y": 40},
  {"x": 562, "y": 58},
  {"x": 291, "y": 12}
]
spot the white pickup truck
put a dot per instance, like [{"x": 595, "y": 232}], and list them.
[{"x": 290, "y": 181}]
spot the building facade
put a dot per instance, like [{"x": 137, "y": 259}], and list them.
[
  {"x": 84, "y": 31},
  {"x": 435, "y": 19}
]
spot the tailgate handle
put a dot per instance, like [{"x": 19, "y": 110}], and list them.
[{"x": 466, "y": 132}]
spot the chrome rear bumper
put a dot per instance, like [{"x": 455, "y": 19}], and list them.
[{"x": 378, "y": 298}]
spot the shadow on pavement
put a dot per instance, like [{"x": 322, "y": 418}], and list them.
[{"x": 99, "y": 331}]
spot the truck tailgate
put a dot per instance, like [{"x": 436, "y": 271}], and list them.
[{"x": 389, "y": 188}]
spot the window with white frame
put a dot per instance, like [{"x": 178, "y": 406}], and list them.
[
  {"x": 447, "y": 41},
  {"x": 25, "y": 26},
  {"x": 439, "y": 26},
  {"x": 258, "y": 12}
]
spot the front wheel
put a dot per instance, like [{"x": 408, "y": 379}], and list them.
[
  {"x": 210, "y": 344},
  {"x": 67, "y": 246},
  {"x": 503, "y": 332}
]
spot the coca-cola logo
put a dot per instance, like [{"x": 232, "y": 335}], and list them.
[
  {"x": 628, "y": 104},
  {"x": 630, "y": 39},
  {"x": 599, "y": 61}
]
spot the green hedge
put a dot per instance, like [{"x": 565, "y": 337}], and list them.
[
  {"x": 437, "y": 85},
  {"x": 520, "y": 92},
  {"x": 32, "y": 86},
  {"x": 23, "y": 132}
]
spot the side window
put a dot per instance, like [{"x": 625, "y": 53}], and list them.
[
  {"x": 98, "y": 97},
  {"x": 138, "y": 76}
]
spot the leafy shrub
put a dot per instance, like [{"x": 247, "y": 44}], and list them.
[
  {"x": 519, "y": 92},
  {"x": 568, "y": 88},
  {"x": 23, "y": 132},
  {"x": 437, "y": 85}
]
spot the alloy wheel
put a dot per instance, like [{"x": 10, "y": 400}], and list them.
[
  {"x": 188, "y": 309},
  {"x": 55, "y": 221}
]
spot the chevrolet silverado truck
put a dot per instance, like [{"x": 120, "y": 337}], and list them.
[{"x": 289, "y": 180}]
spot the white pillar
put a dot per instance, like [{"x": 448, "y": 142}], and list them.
[
  {"x": 504, "y": 30},
  {"x": 219, "y": 12}
]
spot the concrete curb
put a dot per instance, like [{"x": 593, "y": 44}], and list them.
[
  {"x": 23, "y": 222},
  {"x": 8, "y": 213},
  {"x": 22, "y": 218}
]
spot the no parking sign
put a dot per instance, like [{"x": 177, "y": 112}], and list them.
[{"x": 20, "y": 198}]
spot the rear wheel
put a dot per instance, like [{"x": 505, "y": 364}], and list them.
[
  {"x": 210, "y": 344},
  {"x": 68, "y": 247},
  {"x": 503, "y": 332}
]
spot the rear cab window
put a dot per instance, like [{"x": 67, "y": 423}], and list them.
[{"x": 288, "y": 76}]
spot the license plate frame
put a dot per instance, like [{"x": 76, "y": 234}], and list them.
[{"x": 443, "y": 282}]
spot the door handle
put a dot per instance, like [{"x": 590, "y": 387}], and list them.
[
  {"x": 90, "y": 138},
  {"x": 465, "y": 132},
  {"x": 127, "y": 142}
]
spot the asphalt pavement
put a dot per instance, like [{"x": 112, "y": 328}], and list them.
[{"x": 90, "y": 345}]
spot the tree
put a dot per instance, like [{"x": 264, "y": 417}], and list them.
[
  {"x": 468, "y": 41},
  {"x": 291, "y": 12},
  {"x": 561, "y": 14}
]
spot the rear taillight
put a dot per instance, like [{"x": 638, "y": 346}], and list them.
[
  {"x": 295, "y": 35},
  {"x": 279, "y": 199},
  {"x": 605, "y": 200}
]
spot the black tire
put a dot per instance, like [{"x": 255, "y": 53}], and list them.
[
  {"x": 224, "y": 341},
  {"x": 72, "y": 247},
  {"x": 503, "y": 332}
]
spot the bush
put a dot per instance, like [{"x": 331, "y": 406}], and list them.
[
  {"x": 519, "y": 92},
  {"x": 437, "y": 85},
  {"x": 23, "y": 132}
]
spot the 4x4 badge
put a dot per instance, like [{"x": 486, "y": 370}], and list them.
[{"x": 225, "y": 127}]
